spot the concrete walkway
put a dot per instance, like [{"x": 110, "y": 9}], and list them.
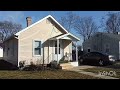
[{"x": 80, "y": 69}]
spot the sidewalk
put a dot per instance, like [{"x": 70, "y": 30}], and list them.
[{"x": 80, "y": 69}]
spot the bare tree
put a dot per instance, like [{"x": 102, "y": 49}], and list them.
[
  {"x": 8, "y": 28},
  {"x": 112, "y": 23},
  {"x": 69, "y": 20},
  {"x": 86, "y": 27}
]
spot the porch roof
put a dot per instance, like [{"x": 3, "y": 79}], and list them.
[{"x": 67, "y": 36}]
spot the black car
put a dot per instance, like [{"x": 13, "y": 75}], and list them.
[{"x": 94, "y": 58}]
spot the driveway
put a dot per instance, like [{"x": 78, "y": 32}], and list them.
[
  {"x": 83, "y": 67},
  {"x": 80, "y": 69}
]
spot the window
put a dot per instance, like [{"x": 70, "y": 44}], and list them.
[
  {"x": 56, "y": 48},
  {"x": 88, "y": 50},
  {"x": 37, "y": 47},
  {"x": 107, "y": 48}
]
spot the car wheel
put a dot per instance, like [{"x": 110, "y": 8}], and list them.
[{"x": 101, "y": 63}]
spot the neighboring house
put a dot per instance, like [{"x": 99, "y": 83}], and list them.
[
  {"x": 40, "y": 43},
  {"x": 103, "y": 42}
]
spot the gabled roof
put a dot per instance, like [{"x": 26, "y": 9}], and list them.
[
  {"x": 68, "y": 34},
  {"x": 49, "y": 16},
  {"x": 65, "y": 35}
]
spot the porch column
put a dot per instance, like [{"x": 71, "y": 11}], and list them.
[
  {"x": 76, "y": 52},
  {"x": 57, "y": 50},
  {"x": 48, "y": 50}
]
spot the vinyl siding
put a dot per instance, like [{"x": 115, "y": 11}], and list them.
[{"x": 41, "y": 31}]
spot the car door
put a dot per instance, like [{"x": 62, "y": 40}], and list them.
[
  {"x": 95, "y": 57},
  {"x": 87, "y": 58},
  {"x": 90, "y": 58}
]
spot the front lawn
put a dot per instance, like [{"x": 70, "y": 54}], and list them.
[
  {"x": 47, "y": 74},
  {"x": 110, "y": 70}
]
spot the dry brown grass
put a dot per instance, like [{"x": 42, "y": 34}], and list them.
[{"x": 56, "y": 74}]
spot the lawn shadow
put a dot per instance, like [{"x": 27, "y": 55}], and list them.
[
  {"x": 4, "y": 65},
  {"x": 114, "y": 66}
]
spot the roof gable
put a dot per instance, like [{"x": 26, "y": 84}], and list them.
[
  {"x": 66, "y": 36},
  {"x": 49, "y": 16},
  {"x": 53, "y": 21}
]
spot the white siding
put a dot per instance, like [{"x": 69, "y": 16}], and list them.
[{"x": 1, "y": 52}]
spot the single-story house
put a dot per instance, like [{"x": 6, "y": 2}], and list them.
[
  {"x": 42, "y": 42},
  {"x": 103, "y": 42}
]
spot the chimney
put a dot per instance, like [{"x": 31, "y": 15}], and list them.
[{"x": 29, "y": 21}]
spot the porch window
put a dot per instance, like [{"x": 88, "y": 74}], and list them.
[
  {"x": 56, "y": 48},
  {"x": 37, "y": 47}
]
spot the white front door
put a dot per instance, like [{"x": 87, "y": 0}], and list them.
[{"x": 60, "y": 54}]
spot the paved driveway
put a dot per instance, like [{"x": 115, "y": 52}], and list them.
[
  {"x": 83, "y": 67},
  {"x": 80, "y": 69}
]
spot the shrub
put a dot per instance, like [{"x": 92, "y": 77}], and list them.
[
  {"x": 21, "y": 64},
  {"x": 29, "y": 68},
  {"x": 55, "y": 65}
]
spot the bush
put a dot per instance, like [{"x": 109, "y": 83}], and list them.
[
  {"x": 55, "y": 65},
  {"x": 52, "y": 66},
  {"x": 29, "y": 68},
  {"x": 21, "y": 64}
]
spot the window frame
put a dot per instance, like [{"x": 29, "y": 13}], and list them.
[{"x": 34, "y": 47}]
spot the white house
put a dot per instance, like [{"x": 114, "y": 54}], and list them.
[{"x": 42, "y": 42}]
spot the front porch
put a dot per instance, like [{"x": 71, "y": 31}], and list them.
[{"x": 60, "y": 48}]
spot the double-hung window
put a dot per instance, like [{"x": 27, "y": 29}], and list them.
[{"x": 37, "y": 47}]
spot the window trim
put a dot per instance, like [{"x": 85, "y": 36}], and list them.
[{"x": 34, "y": 48}]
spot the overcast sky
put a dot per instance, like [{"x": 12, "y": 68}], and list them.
[{"x": 20, "y": 16}]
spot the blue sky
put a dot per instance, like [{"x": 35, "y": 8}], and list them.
[{"x": 20, "y": 16}]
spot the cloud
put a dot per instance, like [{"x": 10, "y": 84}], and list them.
[{"x": 14, "y": 16}]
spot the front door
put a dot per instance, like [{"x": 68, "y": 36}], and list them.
[{"x": 60, "y": 54}]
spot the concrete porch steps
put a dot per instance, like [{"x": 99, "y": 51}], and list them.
[{"x": 66, "y": 65}]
